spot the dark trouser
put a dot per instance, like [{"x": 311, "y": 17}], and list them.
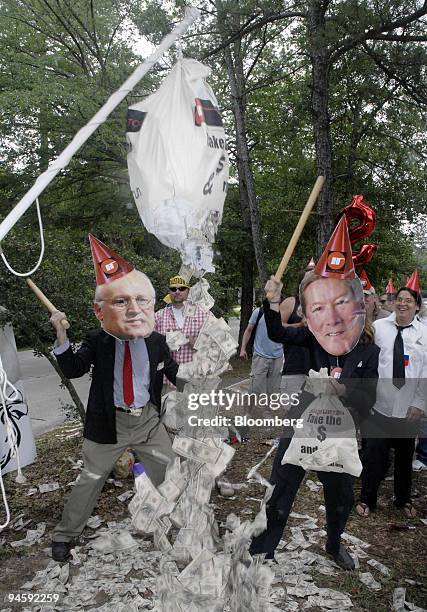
[
  {"x": 376, "y": 458},
  {"x": 339, "y": 499},
  {"x": 375, "y": 464},
  {"x": 422, "y": 442}
]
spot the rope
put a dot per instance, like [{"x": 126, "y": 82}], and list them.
[
  {"x": 11, "y": 440},
  {"x": 36, "y": 267}
]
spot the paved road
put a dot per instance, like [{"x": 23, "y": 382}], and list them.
[{"x": 43, "y": 392}]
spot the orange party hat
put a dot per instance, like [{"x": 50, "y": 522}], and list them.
[
  {"x": 390, "y": 289},
  {"x": 412, "y": 282},
  {"x": 336, "y": 260},
  {"x": 109, "y": 266}
]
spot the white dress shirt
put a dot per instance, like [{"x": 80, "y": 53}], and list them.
[
  {"x": 140, "y": 373},
  {"x": 393, "y": 402}
]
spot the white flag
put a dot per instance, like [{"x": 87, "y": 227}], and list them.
[{"x": 16, "y": 407}]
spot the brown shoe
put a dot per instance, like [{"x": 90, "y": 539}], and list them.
[{"x": 409, "y": 510}]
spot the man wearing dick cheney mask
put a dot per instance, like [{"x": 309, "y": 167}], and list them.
[
  {"x": 339, "y": 339},
  {"x": 128, "y": 361}
]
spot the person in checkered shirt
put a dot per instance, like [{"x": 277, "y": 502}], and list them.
[{"x": 171, "y": 318}]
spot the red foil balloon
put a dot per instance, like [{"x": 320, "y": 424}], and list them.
[
  {"x": 365, "y": 254},
  {"x": 358, "y": 210}
]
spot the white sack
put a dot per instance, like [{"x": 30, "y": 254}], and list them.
[
  {"x": 178, "y": 163},
  {"x": 327, "y": 441}
]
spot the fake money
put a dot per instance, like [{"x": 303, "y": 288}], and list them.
[
  {"x": 48, "y": 487},
  {"x": 199, "y": 295},
  {"x": 320, "y": 458},
  {"x": 195, "y": 449},
  {"x": 368, "y": 580},
  {"x": 399, "y": 599},
  {"x": 187, "y": 271},
  {"x": 175, "y": 339},
  {"x": 108, "y": 543},
  {"x": 189, "y": 309},
  {"x": 379, "y": 566},
  {"x": 172, "y": 489}
]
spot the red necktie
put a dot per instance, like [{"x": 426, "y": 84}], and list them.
[{"x": 128, "y": 395}]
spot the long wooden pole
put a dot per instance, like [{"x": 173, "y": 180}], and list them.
[
  {"x": 298, "y": 230},
  {"x": 43, "y": 299}
]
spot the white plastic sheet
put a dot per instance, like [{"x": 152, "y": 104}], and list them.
[{"x": 16, "y": 407}]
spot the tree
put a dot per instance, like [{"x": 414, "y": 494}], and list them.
[
  {"x": 60, "y": 62},
  {"x": 330, "y": 33},
  {"x": 362, "y": 124}
]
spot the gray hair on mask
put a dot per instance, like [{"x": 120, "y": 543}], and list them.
[{"x": 100, "y": 288}]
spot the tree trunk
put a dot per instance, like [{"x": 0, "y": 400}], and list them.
[
  {"x": 247, "y": 265},
  {"x": 236, "y": 77},
  {"x": 67, "y": 384},
  {"x": 320, "y": 61},
  {"x": 246, "y": 179}
]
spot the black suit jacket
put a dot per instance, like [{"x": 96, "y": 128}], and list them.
[
  {"x": 98, "y": 350},
  {"x": 360, "y": 363}
]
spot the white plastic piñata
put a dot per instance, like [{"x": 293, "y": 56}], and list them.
[{"x": 178, "y": 163}]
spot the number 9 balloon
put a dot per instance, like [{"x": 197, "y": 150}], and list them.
[{"x": 358, "y": 210}]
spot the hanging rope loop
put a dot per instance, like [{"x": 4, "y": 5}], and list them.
[{"x": 36, "y": 267}]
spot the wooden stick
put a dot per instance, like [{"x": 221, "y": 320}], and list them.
[
  {"x": 298, "y": 230},
  {"x": 43, "y": 299}
]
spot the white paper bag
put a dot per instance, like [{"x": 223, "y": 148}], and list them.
[
  {"x": 178, "y": 163},
  {"x": 327, "y": 441}
]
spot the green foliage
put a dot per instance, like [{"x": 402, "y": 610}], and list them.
[
  {"x": 65, "y": 277},
  {"x": 60, "y": 62}
]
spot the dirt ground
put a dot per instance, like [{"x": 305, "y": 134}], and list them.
[{"x": 397, "y": 542}]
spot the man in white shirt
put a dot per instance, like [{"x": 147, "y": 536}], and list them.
[
  {"x": 401, "y": 402},
  {"x": 420, "y": 462}
]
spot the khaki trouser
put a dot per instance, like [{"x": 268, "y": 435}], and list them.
[
  {"x": 144, "y": 434},
  {"x": 266, "y": 374}
]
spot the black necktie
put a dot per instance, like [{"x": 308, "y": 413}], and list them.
[{"x": 399, "y": 359}]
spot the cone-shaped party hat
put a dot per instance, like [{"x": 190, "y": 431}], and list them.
[
  {"x": 390, "y": 287},
  {"x": 412, "y": 282},
  {"x": 109, "y": 266},
  {"x": 366, "y": 283},
  {"x": 311, "y": 264},
  {"x": 336, "y": 260}
]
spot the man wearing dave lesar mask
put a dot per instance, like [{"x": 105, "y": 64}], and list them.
[
  {"x": 128, "y": 360},
  {"x": 338, "y": 339}
]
